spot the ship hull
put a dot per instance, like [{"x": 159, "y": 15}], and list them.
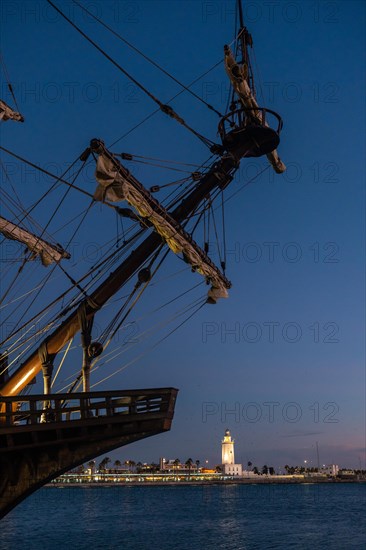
[{"x": 34, "y": 451}]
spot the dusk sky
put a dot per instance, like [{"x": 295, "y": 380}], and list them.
[{"x": 281, "y": 362}]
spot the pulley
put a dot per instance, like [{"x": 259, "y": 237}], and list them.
[
  {"x": 95, "y": 349},
  {"x": 144, "y": 275}
]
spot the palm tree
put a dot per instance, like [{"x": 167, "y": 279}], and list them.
[
  {"x": 103, "y": 465},
  {"x": 117, "y": 464},
  {"x": 249, "y": 464},
  {"x": 197, "y": 466},
  {"x": 189, "y": 463},
  {"x": 139, "y": 467},
  {"x": 91, "y": 465},
  {"x": 132, "y": 464}
]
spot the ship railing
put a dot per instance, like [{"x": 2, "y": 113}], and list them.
[{"x": 39, "y": 409}]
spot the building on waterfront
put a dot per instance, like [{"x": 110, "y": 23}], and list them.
[
  {"x": 177, "y": 466},
  {"x": 228, "y": 458},
  {"x": 330, "y": 470}
]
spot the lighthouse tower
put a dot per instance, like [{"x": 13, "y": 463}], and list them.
[
  {"x": 227, "y": 452},
  {"x": 227, "y": 449}
]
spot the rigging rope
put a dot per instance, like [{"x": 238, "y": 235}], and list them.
[
  {"x": 57, "y": 178},
  {"x": 137, "y": 285},
  {"x": 46, "y": 279},
  {"x": 58, "y": 263},
  {"x": 216, "y": 234},
  {"x": 165, "y": 108},
  {"x": 144, "y": 335},
  {"x": 15, "y": 278},
  {"x": 14, "y": 203},
  {"x": 170, "y": 100},
  {"x": 104, "y": 262},
  {"x": 6, "y": 74},
  {"x": 223, "y": 264},
  {"x": 151, "y": 348},
  {"x": 132, "y": 159},
  {"x": 185, "y": 88},
  {"x": 168, "y": 161},
  {"x": 62, "y": 362}
]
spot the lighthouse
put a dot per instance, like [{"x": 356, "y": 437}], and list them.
[
  {"x": 227, "y": 449},
  {"x": 227, "y": 453}
]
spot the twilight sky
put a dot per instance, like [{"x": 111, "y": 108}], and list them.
[{"x": 282, "y": 361}]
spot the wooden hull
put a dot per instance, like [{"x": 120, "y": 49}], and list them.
[{"x": 33, "y": 452}]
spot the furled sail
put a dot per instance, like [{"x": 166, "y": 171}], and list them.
[
  {"x": 7, "y": 113},
  {"x": 238, "y": 77},
  {"x": 47, "y": 252},
  {"x": 117, "y": 184}
]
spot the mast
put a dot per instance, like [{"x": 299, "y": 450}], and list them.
[
  {"x": 219, "y": 175},
  {"x": 242, "y": 80},
  {"x": 245, "y": 40},
  {"x": 244, "y": 133}
]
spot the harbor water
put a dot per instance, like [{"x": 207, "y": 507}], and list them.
[{"x": 231, "y": 517}]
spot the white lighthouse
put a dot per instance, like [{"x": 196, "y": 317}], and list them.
[
  {"x": 227, "y": 448},
  {"x": 228, "y": 460}
]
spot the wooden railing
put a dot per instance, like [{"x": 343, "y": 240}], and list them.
[{"x": 38, "y": 409}]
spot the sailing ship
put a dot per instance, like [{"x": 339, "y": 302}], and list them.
[{"x": 45, "y": 432}]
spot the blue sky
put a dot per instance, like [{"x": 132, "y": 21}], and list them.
[{"x": 286, "y": 352}]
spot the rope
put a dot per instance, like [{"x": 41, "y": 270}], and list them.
[
  {"x": 62, "y": 362},
  {"x": 165, "y": 108},
  {"x": 8, "y": 80},
  {"x": 59, "y": 205},
  {"x": 51, "y": 272},
  {"x": 216, "y": 233},
  {"x": 170, "y": 100},
  {"x": 19, "y": 205},
  {"x": 151, "y": 163},
  {"x": 15, "y": 279},
  {"x": 149, "y": 349},
  {"x": 13, "y": 347},
  {"x": 185, "y": 88},
  {"x": 97, "y": 364},
  {"x": 48, "y": 223},
  {"x": 223, "y": 265},
  {"x": 247, "y": 183},
  {"x": 168, "y": 161},
  {"x": 137, "y": 297},
  {"x": 182, "y": 323},
  {"x": 57, "y": 178}
]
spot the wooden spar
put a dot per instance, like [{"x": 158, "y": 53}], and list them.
[
  {"x": 7, "y": 113},
  {"x": 219, "y": 175},
  {"x": 48, "y": 252},
  {"x": 117, "y": 185}
]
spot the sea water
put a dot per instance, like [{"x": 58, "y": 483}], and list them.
[{"x": 232, "y": 517}]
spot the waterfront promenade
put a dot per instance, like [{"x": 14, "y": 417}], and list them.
[{"x": 97, "y": 480}]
